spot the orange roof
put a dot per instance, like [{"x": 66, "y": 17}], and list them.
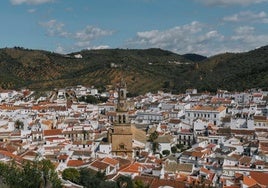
[
  {"x": 63, "y": 157},
  {"x": 249, "y": 181},
  {"x": 99, "y": 165},
  {"x": 47, "y": 122},
  {"x": 197, "y": 154},
  {"x": 208, "y": 108},
  {"x": 204, "y": 170},
  {"x": 52, "y": 132},
  {"x": 260, "y": 118},
  {"x": 133, "y": 168},
  {"x": 111, "y": 113},
  {"x": 110, "y": 161},
  {"x": 169, "y": 183},
  {"x": 257, "y": 95},
  {"x": 75, "y": 163},
  {"x": 10, "y": 155},
  {"x": 260, "y": 177},
  {"x": 258, "y": 162},
  {"x": 174, "y": 121}
]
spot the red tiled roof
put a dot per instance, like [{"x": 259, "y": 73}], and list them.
[
  {"x": 242, "y": 132},
  {"x": 258, "y": 162},
  {"x": 133, "y": 168},
  {"x": 75, "y": 163},
  {"x": 99, "y": 165},
  {"x": 10, "y": 155},
  {"x": 52, "y": 132},
  {"x": 174, "y": 121},
  {"x": 260, "y": 118},
  {"x": 63, "y": 157},
  {"x": 248, "y": 181},
  {"x": 111, "y": 161},
  {"x": 204, "y": 170},
  {"x": 260, "y": 177},
  {"x": 161, "y": 183},
  {"x": 197, "y": 154}
]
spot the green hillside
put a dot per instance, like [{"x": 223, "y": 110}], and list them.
[
  {"x": 144, "y": 70},
  {"x": 234, "y": 71}
]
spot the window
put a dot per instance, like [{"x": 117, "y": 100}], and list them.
[
  {"x": 124, "y": 118},
  {"x": 121, "y": 146},
  {"x": 119, "y": 119}
]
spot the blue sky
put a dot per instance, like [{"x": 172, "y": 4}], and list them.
[{"x": 206, "y": 27}]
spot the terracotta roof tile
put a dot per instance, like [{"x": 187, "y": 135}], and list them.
[
  {"x": 52, "y": 132},
  {"x": 75, "y": 163},
  {"x": 169, "y": 183},
  {"x": 99, "y": 165},
  {"x": 260, "y": 177},
  {"x": 110, "y": 161},
  {"x": 248, "y": 181},
  {"x": 63, "y": 157}
]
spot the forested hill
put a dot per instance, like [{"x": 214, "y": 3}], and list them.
[
  {"x": 234, "y": 71},
  {"x": 144, "y": 70}
]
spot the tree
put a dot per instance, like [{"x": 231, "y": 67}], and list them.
[
  {"x": 49, "y": 176},
  {"x": 12, "y": 175},
  {"x": 71, "y": 174},
  {"x": 89, "y": 178},
  {"x": 140, "y": 184},
  {"x": 19, "y": 124},
  {"x": 174, "y": 149},
  {"x": 124, "y": 182},
  {"x": 153, "y": 136},
  {"x": 166, "y": 152},
  {"x": 30, "y": 175},
  {"x": 180, "y": 146}
]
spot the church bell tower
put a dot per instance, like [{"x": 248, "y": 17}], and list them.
[{"x": 121, "y": 137}]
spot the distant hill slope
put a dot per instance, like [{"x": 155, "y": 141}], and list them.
[
  {"x": 144, "y": 70},
  {"x": 194, "y": 57},
  {"x": 231, "y": 71}
]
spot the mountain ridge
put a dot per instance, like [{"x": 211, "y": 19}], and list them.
[{"x": 144, "y": 70}]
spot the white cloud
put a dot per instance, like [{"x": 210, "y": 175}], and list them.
[
  {"x": 31, "y": 10},
  {"x": 247, "y": 16},
  {"x": 82, "y": 39},
  {"x": 91, "y": 32},
  {"x": 244, "y": 30},
  {"x": 230, "y": 2},
  {"x": 88, "y": 34},
  {"x": 198, "y": 38},
  {"x": 245, "y": 36},
  {"x": 60, "y": 49},
  {"x": 100, "y": 47},
  {"x": 194, "y": 37},
  {"x": 82, "y": 44},
  {"x": 30, "y": 2},
  {"x": 55, "y": 28}
]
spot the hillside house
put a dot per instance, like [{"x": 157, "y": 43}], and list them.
[{"x": 212, "y": 114}]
